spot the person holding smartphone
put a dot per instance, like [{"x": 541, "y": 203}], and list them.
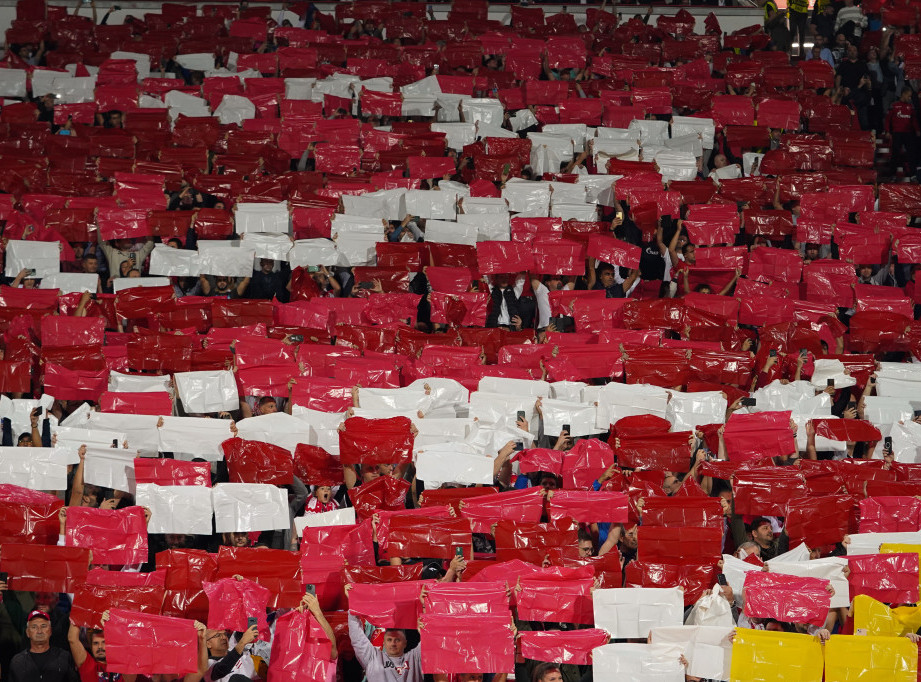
[{"x": 231, "y": 660}]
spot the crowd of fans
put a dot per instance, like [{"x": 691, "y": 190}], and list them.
[{"x": 459, "y": 347}]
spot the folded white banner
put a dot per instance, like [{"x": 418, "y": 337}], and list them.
[
  {"x": 706, "y": 647},
  {"x": 245, "y": 507},
  {"x": 42, "y": 469},
  {"x": 251, "y": 217},
  {"x": 650, "y": 132},
  {"x": 358, "y": 249},
  {"x": 445, "y": 232},
  {"x": 567, "y": 193},
  {"x": 182, "y": 509},
  {"x": 207, "y": 391},
  {"x": 42, "y": 257},
  {"x": 686, "y": 143},
  {"x": 448, "y": 106},
  {"x": 500, "y": 409},
  {"x": 365, "y": 206},
  {"x": 523, "y": 118},
  {"x": 906, "y": 442},
  {"x": 445, "y": 392},
  {"x": 140, "y": 429},
  {"x": 434, "y": 431},
  {"x": 138, "y": 383},
  {"x": 453, "y": 463},
  {"x": 687, "y": 410},
  {"x": 868, "y": 543},
  {"x": 427, "y": 86},
  {"x": 483, "y": 110},
  {"x": 393, "y": 399},
  {"x": 898, "y": 387},
  {"x": 826, "y": 369},
  {"x": 170, "y": 262},
  {"x": 235, "y": 109},
  {"x": 283, "y": 430},
  {"x": 581, "y": 212},
  {"x": 322, "y": 427},
  {"x": 884, "y": 410},
  {"x": 70, "y": 438},
  {"x": 440, "y": 205},
  {"x": 418, "y": 105},
  {"x": 748, "y": 162},
  {"x": 122, "y": 283},
  {"x": 356, "y": 225},
  {"x": 391, "y": 200},
  {"x": 12, "y": 83},
  {"x": 190, "y": 437},
  {"x": 71, "y": 282},
  {"x": 830, "y": 568},
  {"x": 299, "y": 88},
  {"x": 777, "y": 396},
  {"x": 686, "y": 125},
  {"x": 43, "y": 81},
  {"x": 632, "y": 612},
  {"x": 72, "y": 90},
  {"x": 577, "y": 132},
  {"x": 489, "y": 439},
  {"x": 527, "y": 200},
  {"x": 313, "y": 252},
  {"x": 489, "y": 226},
  {"x": 377, "y": 84},
  {"x": 637, "y": 663},
  {"x": 336, "y": 517},
  {"x": 579, "y": 417},
  {"x": 677, "y": 165},
  {"x": 568, "y": 390},
  {"x": 267, "y": 245},
  {"x": 562, "y": 146},
  {"x": 616, "y": 401},
  {"x": 109, "y": 467},
  {"x": 184, "y": 104},
  {"x": 200, "y": 61}
]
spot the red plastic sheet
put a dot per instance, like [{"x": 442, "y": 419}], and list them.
[
  {"x": 829, "y": 281},
  {"x": 532, "y": 541},
  {"x": 568, "y": 601},
  {"x": 250, "y": 461},
  {"x": 846, "y": 429},
  {"x": 383, "y": 523},
  {"x": 101, "y": 576},
  {"x": 116, "y": 536},
  {"x": 412, "y": 536},
  {"x": 682, "y": 512},
  {"x": 57, "y": 331},
  {"x": 614, "y": 251},
  {"x": 763, "y": 434},
  {"x": 659, "y": 545},
  {"x": 889, "y": 578},
  {"x": 557, "y": 646},
  {"x": 123, "y": 402},
  {"x": 694, "y": 578},
  {"x": 819, "y": 520},
  {"x": 452, "y": 497},
  {"x": 665, "y": 451},
  {"x": 376, "y": 441},
  {"x": 459, "y": 310},
  {"x": 171, "y": 472},
  {"x": 44, "y": 568},
  {"x": 90, "y": 601},
  {"x": 470, "y": 599},
  {"x": 382, "y": 574},
  {"x": 275, "y": 569},
  {"x": 786, "y": 598},
  {"x": 513, "y": 505},
  {"x": 232, "y": 602},
  {"x": 457, "y": 644},
  {"x": 585, "y": 462},
  {"x": 767, "y": 491},
  {"x": 186, "y": 571},
  {"x": 67, "y": 384},
  {"x": 301, "y": 650},
  {"x": 14, "y": 377},
  {"x": 386, "y": 492},
  {"x": 147, "y": 644},
  {"x": 388, "y": 605},
  {"x": 315, "y": 466},
  {"x": 495, "y": 257},
  {"x": 890, "y": 514},
  {"x": 588, "y": 506}
]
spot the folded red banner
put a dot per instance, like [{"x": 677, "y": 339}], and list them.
[
  {"x": 513, "y": 505},
  {"x": 819, "y": 520},
  {"x": 766, "y": 491},
  {"x": 762, "y": 434},
  {"x": 382, "y": 574},
  {"x": 90, "y": 601},
  {"x": 694, "y": 578},
  {"x": 682, "y": 512},
  {"x": 786, "y": 598},
  {"x": 153, "y": 403},
  {"x": 532, "y": 541},
  {"x": 495, "y": 257},
  {"x": 186, "y": 571},
  {"x": 116, "y": 536},
  {"x": 452, "y": 497},
  {"x": 376, "y": 441},
  {"x": 470, "y": 599},
  {"x": 171, "y": 472},
  {"x": 666, "y": 451},
  {"x": 614, "y": 251},
  {"x": 232, "y": 602},
  {"x": 301, "y": 650},
  {"x": 585, "y": 462},
  {"x": 539, "y": 459},
  {"x": 559, "y": 646},
  {"x": 44, "y": 568},
  {"x": 415, "y": 537},
  {"x": 889, "y": 578},
  {"x": 490, "y": 645},
  {"x": 846, "y": 429},
  {"x": 679, "y": 545},
  {"x": 315, "y": 466},
  {"x": 386, "y": 492},
  {"x": 150, "y": 645},
  {"x": 384, "y": 516},
  {"x": 251, "y": 461},
  {"x": 588, "y": 506},
  {"x": 388, "y": 605},
  {"x": 28, "y": 515},
  {"x": 556, "y": 601},
  {"x": 890, "y": 514}
]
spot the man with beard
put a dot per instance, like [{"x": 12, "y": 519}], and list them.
[
  {"x": 92, "y": 666},
  {"x": 41, "y": 662}
]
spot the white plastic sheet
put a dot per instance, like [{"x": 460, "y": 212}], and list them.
[
  {"x": 201, "y": 61},
  {"x": 267, "y": 245},
  {"x": 122, "y": 283},
  {"x": 365, "y": 205},
  {"x": 190, "y": 437},
  {"x": 440, "y": 205},
  {"x": 184, "y": 104},
  {"x": 70, "y": 438},
  {"x": 868, "y": 543},
  {"x": 448, "y": 108},
  {"x": 831, "y": 569},
  {"x": 299, "y": 88},
  {"x": 579, "y": 417},
  {"x": 436, "y": 431},
  {"x": 633, "y": 611},
  {"x": 43, "y": 81},
  {"x": 482, "y": 110},
  {"x": 207, "y": 391},
  {"x": 883, "y": 410},
  {"x": 71, "y": 90},
  {"x": 170, "y": 262},
  {"x": 393, "y": 398},
  {"x": 489, "y": 226},
  {"x": 229, "y": 261},
  {"x": 906, "y": 442},
  {"x": 182, "y": 509},
  {"x": 688, "y": 410},
  {"x": 109, "y": 467},
  {"x": 527, "y": 199},
  {"x": 730, "y": 172},
  {"x": 337, "y": 517},
  {"x": 278, "y": 428},
  {"x": 686, "y": 143},
  {"x": 43, "y": 257},
  {"x": 627, "y": 400},
  {"x": 343, "y": 224},
  {"x": 457, "y": 134},
  {"x": 687, "y": 125},
  {"x": 71, "y": 282},
  {"x": 427, "y": 86},
  {"x": 779, "y": 396},
  {"x": 252, "y": 217},
  {"x": 637, "y": 663},
  {"x": 357, "y": 249},
  {"x": 321, "y": 427},
  {"x": 567, "y": 192},
  {"x": 521, "y": 387},
  {"x": 139, "y": 429},
  {"x": 649, "y": 131},
  {"x": 418, "y": 105},
  {"x": 582, "y": 212},
  {"x": 307, "y": 252},
  {"x": 748, "y": 162},
  {"x": 521, "y": 119},
  {"x": 677, "y": 165},
  {"x": 706, "y": 648},
  {"x": 12, "y": 83},
  {"x": 245, "y": 507},
  {"x": 235, "y": 109},
  {"x": 830, "y": 369},
  {"x": 577, "y": 132},
  {"x": 446, "y": 232},
  {"x": 453, "y": 463},
  {"x": 568, "y": 390},
  {"x": 735, "y": 569},
  {"x": 43, "y": 469},
  {"x": 138, "y": 383},
  {"x": 500, "y": 409}
]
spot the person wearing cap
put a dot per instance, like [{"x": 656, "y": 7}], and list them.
[{"x": 41, "y": 662}]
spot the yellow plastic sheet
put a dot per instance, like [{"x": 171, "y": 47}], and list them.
[
  {"x": 872, "y": 617},
  {"x": 762, "y": 656},
  {"x": 852, "y": 658},
  {"x": 898, "y": 548}
]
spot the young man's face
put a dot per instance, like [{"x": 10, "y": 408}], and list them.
[
  {"x": 98, "y": 648},
  {"x": 585, "y": 548},
  {"x": 763, "y": 534}
]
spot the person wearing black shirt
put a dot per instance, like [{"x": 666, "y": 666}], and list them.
[{"x": 41, "y": 662}]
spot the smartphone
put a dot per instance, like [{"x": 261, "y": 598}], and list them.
[
  {"x": 37, "y": 412},
  {"x": 721, "y": 579},
  {"x": 459, "y": 551},
  {"x": 830, "y": 382},
  {"x": 311, "y": 589},
  {"x": 773, "y": 352},
  {"x": 887, "y": 443},
  {"x": 4, "y": 577},
  {"x": 115, "y": 442},
  {"x": 250, "y": 622},
  {"x": 520, "y": 414},
  {"x": 519, "y": 446},
  {"x": 474, "y": 284},
  {"x": 313, "y": 268},
  {"x": 567, "y": 428},
  {"x": 366, "y": 285},
  {"x": 852, "y": 405},
  {"x": 30, "y": 272},
  {"x": 748, "y": 402},
  {"x": 803, "y": 352},
  {"x": 872, "y": 380},
  {"x": 297, "y": 338}
]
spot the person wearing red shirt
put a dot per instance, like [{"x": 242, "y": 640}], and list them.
[
  {"x": 92, "y": 665},
  {"x": 902, "y": 124}
]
